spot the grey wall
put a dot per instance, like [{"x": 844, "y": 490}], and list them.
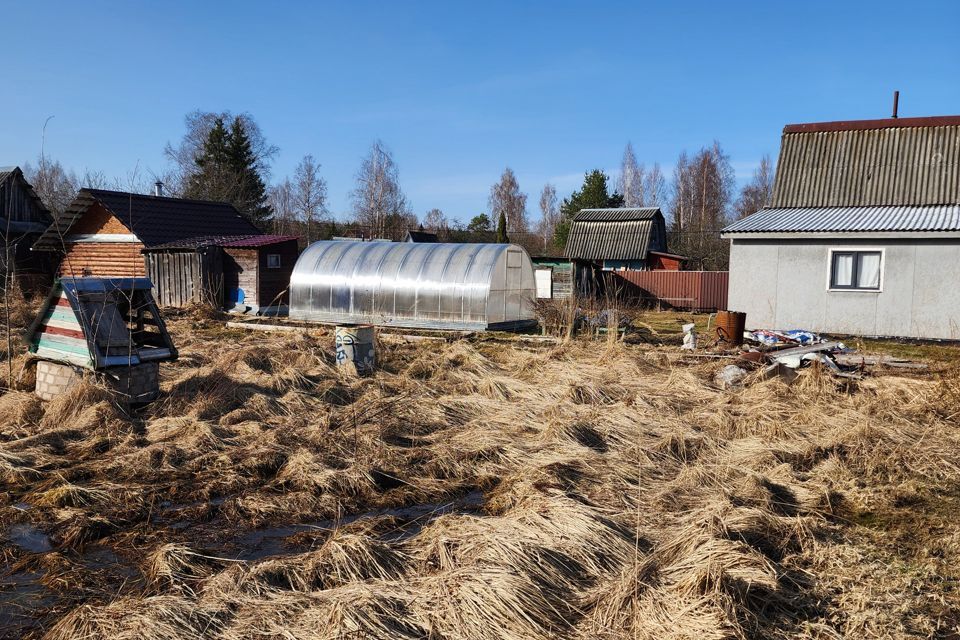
[{"x": 782, "y": 284}]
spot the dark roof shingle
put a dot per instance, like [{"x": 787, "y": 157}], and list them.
[{"x": 154, "y": 220}]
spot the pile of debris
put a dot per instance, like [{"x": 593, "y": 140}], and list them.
[{"x": 783, "y": 353}]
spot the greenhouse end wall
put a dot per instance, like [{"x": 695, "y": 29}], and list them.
[{"x": 429, "y": 285}]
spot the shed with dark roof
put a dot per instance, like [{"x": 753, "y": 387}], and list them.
[
  {"x": 862, "y": 234},
  {"x": 248, "y": 274},
  {"x": 194, "y": 251}
]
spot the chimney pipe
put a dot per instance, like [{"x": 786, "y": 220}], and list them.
[
  {"x": 896, "y": 101},
  {"x": 158, "y": 187}
]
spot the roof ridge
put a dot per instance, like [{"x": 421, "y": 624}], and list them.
[
  {"x": 878, "y": 123},
  {"x": 150, "y": 196}
]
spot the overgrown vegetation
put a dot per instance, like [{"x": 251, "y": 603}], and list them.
[{"x": 478, "y": 489}]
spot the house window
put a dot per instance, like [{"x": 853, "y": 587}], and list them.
[
  {"x": 273, "y": 261},
  {"x": 855, "y": 270}
]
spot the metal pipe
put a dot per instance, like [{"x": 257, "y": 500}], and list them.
[{"x": 896, "y": 101}]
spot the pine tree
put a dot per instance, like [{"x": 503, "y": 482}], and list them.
[
  {"x": 592, "y": 195},
  {"x": 502, "y": 229},
  {"x": 251, "y": 193},
  {"x": 213, "y": 179}
]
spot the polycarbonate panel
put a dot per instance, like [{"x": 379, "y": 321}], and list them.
[{"x": 429, "y": 285}]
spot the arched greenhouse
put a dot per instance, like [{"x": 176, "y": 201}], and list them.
[{"x": 424, "y": 285}]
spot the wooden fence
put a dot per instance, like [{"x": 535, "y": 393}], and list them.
[{"x": 693, "y": 290}]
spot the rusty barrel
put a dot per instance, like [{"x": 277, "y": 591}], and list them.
[{"x": 730, "y": 326}]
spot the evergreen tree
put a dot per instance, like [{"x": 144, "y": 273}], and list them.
[
  {"x": 227, "y": 171},
  {"x": 502, "y": 229},
  {"x": 592, "y": 195},
  {"x": 212, "y": 180},
  {"x": 250, "y": 196},
  {"x": 479, "y": 223}
]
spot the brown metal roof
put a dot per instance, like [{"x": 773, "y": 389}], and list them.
[
  {"x": 881, "y": 123},
  {"x": 616, "y": 234},
  {"x": 237, "y": 241},
  {"x": 263, "y": 240},
  {"x": 154, "y": 220},
  {"x": 906, "y": 161}
]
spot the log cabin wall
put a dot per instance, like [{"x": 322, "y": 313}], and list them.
[
  {"x": 102, "y": 259},
  {"x": 92, "y": 257}
]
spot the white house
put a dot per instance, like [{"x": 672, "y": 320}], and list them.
[{"x": 862, "y": 235}]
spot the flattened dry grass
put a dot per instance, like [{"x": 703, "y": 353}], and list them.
[{"x": 624, "y": 495}]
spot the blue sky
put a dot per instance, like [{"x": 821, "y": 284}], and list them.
[{"x": 459, "y": 91}]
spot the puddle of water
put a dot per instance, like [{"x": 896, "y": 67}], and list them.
[
  {"x": 28, "y": 537},
  {"x": 21, "y": 597}
]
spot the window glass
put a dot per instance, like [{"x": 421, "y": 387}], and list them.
[
  {"x": 868, "y": 270},
  {"x": 842, "y": 269},
  {"x": 273, "y": 260}
]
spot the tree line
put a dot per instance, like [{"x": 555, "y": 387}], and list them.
[{"x": 226, "y": 157}]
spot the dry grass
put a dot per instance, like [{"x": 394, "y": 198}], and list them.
[{"x": 481, "y": 490}]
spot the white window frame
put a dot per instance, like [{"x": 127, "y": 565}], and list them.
[
  {"x": 833, "y": 250},
  {"x": 279, "y": 261}
]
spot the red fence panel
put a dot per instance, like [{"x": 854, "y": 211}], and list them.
[{"x": 693, "y": 290}]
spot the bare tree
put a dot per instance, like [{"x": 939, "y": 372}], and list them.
[
  {"x": 378, "y": 201},
  {"x": 281, "y": 201},
  {"x": 630, "y": 184},
  {"x": 702, "y": 195},
  {"x": 309, "y": 194},
  {"x": 549, "y": 214},
  {"x": 55, "y": 185},
  {"x": 758, "y": 192},
  {"x": 435, "y": 221},
  {"x": 654, "y": 187},
  {"x": 506, "y": 198},
  {"x": 198, "y": 125}
]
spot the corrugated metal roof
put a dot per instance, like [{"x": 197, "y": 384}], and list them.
[
  {"x": 616, "y": 234},
  {"x": 617, "y": 215},
  {"x": 850, "y": 220},
  {"x": 886, "y": 165},
  {"x": 154, "y": 220}
]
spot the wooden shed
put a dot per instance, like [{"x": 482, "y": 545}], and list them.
[
  {"x": 243, "y": 273},
  {"x": 23, "y": 217},
  {"x": 257, "y": 271}
]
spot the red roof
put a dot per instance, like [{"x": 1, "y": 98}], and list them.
[{"x": 258, "y": 241}]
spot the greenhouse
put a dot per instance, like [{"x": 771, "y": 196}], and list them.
[{"x": 430, "y": 286}]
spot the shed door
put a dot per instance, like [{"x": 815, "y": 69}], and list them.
[{"x": 544, "y": 278}]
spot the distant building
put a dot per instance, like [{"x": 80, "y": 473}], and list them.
[
  {"x": 421, "y": 236},
  {"x": 862, "y": 235},
  {"x": 192, "y": 250},
  {"x": 618, "y": 238},
  {"x": 604, "y": 242},
  {"x": 23, "y": 217}
]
